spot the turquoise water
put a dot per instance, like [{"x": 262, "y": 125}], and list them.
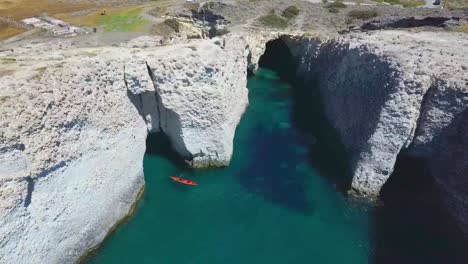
[{"x": 269, "y": 206}]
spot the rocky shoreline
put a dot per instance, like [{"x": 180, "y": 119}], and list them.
[{"x": 74, "y": 122}]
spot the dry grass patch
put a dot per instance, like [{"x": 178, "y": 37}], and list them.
[
  {"x": 123, "y": 19},
  {"x": 455, "y": 4},
  {"x": 274, "y": 21},
  {"x": 413, "y": 3},
  {"x": 462, "y": 28},
  {"x": 362, "y": 14},
  {"x": 336, "y": 4},
  {"x": 19, "y": 9},
  {"x": 290, "y": 12},
  {"x": 8, "y": 32}
]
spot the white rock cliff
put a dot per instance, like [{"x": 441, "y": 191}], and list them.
[
  {"x": 392, "y": 92},
  {"x": 74, "y": 122},
  {"x": 73, "y": 129}
]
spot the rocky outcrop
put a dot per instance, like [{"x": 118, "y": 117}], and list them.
[
  {"x": 71, "y": 156},
  {"x": 436, "y": 20},
  {"x": 74, "y": 122},
  {"x": 390, "y": 92},
  {"x": 73, "y": 137},
  {"x": 195, "y": 94}
]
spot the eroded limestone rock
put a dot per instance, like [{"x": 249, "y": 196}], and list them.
[
  {"x": 373, "y": 86},
  {"x": 73, "y": 137},
  {"x": 197, "y": 97},
  {"x": 389, "y": 92}
]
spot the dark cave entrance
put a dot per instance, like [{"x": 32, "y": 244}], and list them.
[
  {"x": 159, "y": 144},
  {"x": 412, "y": 226},
  {"x": 326, "y": 152}
]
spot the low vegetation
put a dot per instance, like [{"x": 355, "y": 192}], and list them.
[
  {"x": 392, "y": 2},
  {"x": 336, "y": 4},
  {"x": 173, "y": 24},
  {"x": 161, "y": 29},
  {"x": 413, "y": 3},
  {"x": 454, "y": 4},
  {"x": 290, "y": 12},
  {"x": 274, "y": 21},
  {"x": 158, "y": 11},
  {"x": 463, "y": 29},
  {"x": 334, "y": 7},
  {"x": 7, "y": 32},
  {"x": 210, "y": 5},
  {"x": 194, "y": 6},
  {"x": 404, "y": 3},
  {"x": 221, "y": 31},
  {"x": 126, "y": 21},
  {"x": 362, "y": 14},
  {"x": 7, "y": 60}
]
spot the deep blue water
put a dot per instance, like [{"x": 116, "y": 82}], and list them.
[
  {"x": 268, "y": 206},
  {"x": 282, "y": 199}
]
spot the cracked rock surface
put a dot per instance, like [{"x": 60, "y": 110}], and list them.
[
  {"x": 73, "y": 122},
  {"x": 392, "y": 92},
  {"x": 73, "y": 128}
]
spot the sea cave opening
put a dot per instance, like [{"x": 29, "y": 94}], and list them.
[
  {"x": 414, "y": 225},
  {"x": 283, "y": 197},
  {"x": 411, "y": 224}
]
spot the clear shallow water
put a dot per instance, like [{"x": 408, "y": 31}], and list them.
[{"x": 268, "y": 206}]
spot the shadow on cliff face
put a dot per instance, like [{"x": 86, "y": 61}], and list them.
[
  {"x": 159, "y": 144},
  {"x": 269, "y": 163},
  {"x": 354, "y": 87},
  {"x": 413, "y": 225},
  {"x": 449, "y": 167},
  {"x": 272, "y": 175},
  {"x": 326, "y": 152},
  {"x": 269, "y": 171}
]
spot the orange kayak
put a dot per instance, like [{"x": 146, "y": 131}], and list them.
[{"x": 186, "y": 182}]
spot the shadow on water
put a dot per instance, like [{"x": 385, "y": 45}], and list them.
[
  {"x": 270, "y": 163},
  {"x": 273, "y": 158},
  {"x": 326, "y": 153},
  {"x": 412, "y": 226},
  {"x": 159, "y": 144},
  {"x": 268, "y": 171}
]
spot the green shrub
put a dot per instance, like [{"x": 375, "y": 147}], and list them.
[
  {"x": 221, "y": 31},
  {"x": 413, "y": 3},
  {"x": 336, "y": 4},
  {"x": 272, "y": 20},
  {"x": 210, "y": 5},
  {"x": 126, "y": 21},
  {"x": 333, "y": 10},
  {"x": 290, "y": 12},
  {"x": 392, "y": 2},
  {"x": 161, "y": 29},
  {"x": 172, "y": 23},
  {"x": 362, "y": 14}
]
